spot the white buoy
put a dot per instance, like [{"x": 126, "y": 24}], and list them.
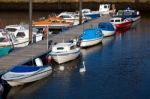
[
  {"x": 38, "y": 62},
  {"x": 61, "y": 68},
  {"x": 83, "y": 69}
]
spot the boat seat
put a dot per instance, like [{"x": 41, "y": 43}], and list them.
[{"x": 38, "y": 62}]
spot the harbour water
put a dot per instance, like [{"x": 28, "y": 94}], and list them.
[{"x": 116, "y": 69}]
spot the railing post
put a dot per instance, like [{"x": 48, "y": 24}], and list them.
[
  {"x": 80, "y": 11},
  {"x": 30, "y": 21}
]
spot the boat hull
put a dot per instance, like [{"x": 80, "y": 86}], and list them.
[
  {"x": 21, "y": 44},
  {"x": 4, "y": 51},
  {"x": 62, "y": 58},
  {"x": 15, "y": 82},
  {"x": 91, "y": 42},
  {"x": 108, "y": 33},
  {"x": 123, "y": 25},
  {"x": 93, "y": 16}
]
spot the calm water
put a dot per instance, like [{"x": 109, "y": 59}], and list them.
[{"x": 119, "y": 68}]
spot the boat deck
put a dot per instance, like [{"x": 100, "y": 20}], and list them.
[{"x": 25, "y": 54}]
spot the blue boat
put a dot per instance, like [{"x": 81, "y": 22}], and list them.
[
  {"x": 91, "y": 37},
  {"x": 129, "y": 13},
  {"x": 107, "y": 28},
  {"x": 91, "y": 14}
]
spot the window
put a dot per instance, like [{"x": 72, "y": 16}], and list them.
[
  {"x": 60, "y": 48},
  {"x": 20, "y": 34},
  {"x": 11, "y": 29},
  {"x": 112, "y": 20},
  {"x": 117, "y": 20},
  {"x": 65, "y": 16},
  {"x": 105, "y": 6},
  {"x": 72, "y": 47},
  {"x": 2, "y": 39}
]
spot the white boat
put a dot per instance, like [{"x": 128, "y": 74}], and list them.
[
  {"x": 64, "y": 52},
  {"x": 21, "y": 32},
  {"x": 106, "y": 9},
  {"x": 23, "y": 74},
  {"x": 8, "y": 39},
  {"x": 72, "y": 17}
]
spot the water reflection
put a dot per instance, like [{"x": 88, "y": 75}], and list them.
[
  {"x": 108, "y": 40},
  {"x": 26, "y": 90},
  {"x": 90, "y": 50}
]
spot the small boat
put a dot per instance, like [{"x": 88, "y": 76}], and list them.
[
  {"x": 52, "y": 22},
  {"x": 129, "y": 13},
  {"x": 64, "y": 52},
  {"x": 8, "y": 40},
  {"x": 106, "y": 9},
  {"x": 72, "y": 17},
  {"x": 91, "y": 14},
  {"x": 107, "y": 28},
  {"x": 120, "y": 22},
  {"x": 90, "y": 37},
  {"x": 23, "y": 74}
]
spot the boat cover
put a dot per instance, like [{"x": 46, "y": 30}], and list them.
[
  {"x": 24, "y": 68},
  {"x": 106, "y": 26}
]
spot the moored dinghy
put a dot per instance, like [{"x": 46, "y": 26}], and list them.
[
  {"x": 64, "y": 52},
  {"x": 107, "y": 28},
  {"x": 91, "y": 37},
  {"x": 23, "y": 74}
]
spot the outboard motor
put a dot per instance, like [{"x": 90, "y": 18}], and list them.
[{"x": 38, "y": 62}]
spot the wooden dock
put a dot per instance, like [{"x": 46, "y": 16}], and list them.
[{"x": 25, "y": 54}]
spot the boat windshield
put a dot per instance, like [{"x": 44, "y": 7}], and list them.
[
  {"x": 20, "y": 34},
  {"x": 11, "y": 29}
]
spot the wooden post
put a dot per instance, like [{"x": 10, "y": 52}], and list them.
[
  {"x": 30, "y": 21},
  {"x": 80, "y": 11},
  {"x": 47, "y": 30}
]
